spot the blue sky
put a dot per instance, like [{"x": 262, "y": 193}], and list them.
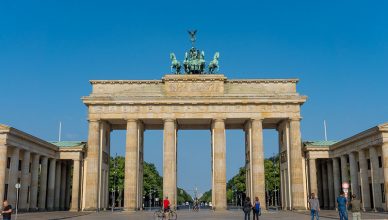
[{"x": 50, "y": 49}]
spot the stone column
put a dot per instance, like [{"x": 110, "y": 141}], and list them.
[
  {"x": 319, "y": 179},
  {"x": 330, "y": 184},
  {"x": 376, "y": 189},
  {"x": 344, "y": 170},
  {"x": 76, "y": 186},
  {"x": 57, "y": 185},
  {"x": 169, "y": 161},
  {"x": 51, "y": 185},
  {"x": 337, "y": 179},
  {"x": 258, "y": 177},
  {"x": 353, "y": 173},
  {"x": 296, "y": 162},
  {"x": 92, "y": 166},
  {"x": 13, "y": 176},
  {"x": 131, "y": 165},
  {"x": 219, "y": 164},
  {"x": 34, "y": 182},
  {"x": 313, "y": 177},
  {"x": 325, "y": 186},
  {"x": 384, "y": 150},
  {"x": 68, "y": 184},
  {"x": 43, "y": 184},
  {"x": 364, "y": 180},
  {"x": 62, "y": 198},
  {"x": 25, "y": 182},
  {"x": 3, "y": 168}
]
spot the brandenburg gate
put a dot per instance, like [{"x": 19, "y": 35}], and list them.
[{"x": 194, "y": 100}]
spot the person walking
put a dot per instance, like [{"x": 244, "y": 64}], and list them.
[
  {"x": 247, "y": 208},
  {"x": 356, "y": 207},
  {"x": 314, "y": 207},
  {"x": 7, "y": 210},
  {"x": 256, "y": 209},
  {"x": 342, "y": 204}
]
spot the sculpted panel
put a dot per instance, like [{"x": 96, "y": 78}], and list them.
[{"x": 98, "y": 109}]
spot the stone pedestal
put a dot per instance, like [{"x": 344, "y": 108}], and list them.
[
  {"x": 131, "y": 166},
  {"x": 219, "y": 164},
  {"x": 170, "y": 161}
]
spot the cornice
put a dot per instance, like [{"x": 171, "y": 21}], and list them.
[
  {"x": 93, "y": 82},
  {"x": 240, "y": 81}
]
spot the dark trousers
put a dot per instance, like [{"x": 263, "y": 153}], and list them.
[
  {"x": 247, "y": 215},
  {"x": 255, "y": 215}
]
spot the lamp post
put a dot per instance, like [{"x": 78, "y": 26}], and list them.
[
  {"x": 114, "y": 183},
  {"x": 17, "y": 186}
]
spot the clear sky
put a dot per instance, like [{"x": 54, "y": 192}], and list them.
[{"x": 50, "y": 49}]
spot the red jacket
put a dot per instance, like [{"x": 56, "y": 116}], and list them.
[{"x": 166, "y": 203}]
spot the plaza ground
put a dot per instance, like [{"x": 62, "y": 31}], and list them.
[{"x": 206, "y": 215}]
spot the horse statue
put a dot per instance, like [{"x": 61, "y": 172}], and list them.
[
  {"x": 213, "y": 65},
  {"x": 175, "y": 64}
]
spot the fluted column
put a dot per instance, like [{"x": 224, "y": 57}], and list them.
[
  {"x": 384, "y": 150},
  {"x": 219, "y": 164},
  {"x": 34, "y": 182},
  {"x": 344, "y": 169},
  {"x": 25, "y": 181},
  {"x": 258, "y": 177},
  {"x": 336, "y": 178},
  {"x": 131, "y": 165},
  {"x": 169, "y": 161},
  {"x": 76, "y": 186},
  {"x": 296, "y": 163},
  {"x": 376, "y": 189},
  {"x": 313, "y": 177},
  {"x": 3, "y": 168},
  {"x": 319, "y": 179},
  {"x": 13, "y": 176},
  {"x": 92, "y": 166},
  {"x": 353, "y": 173},
  {"x": 325, "y": 186},
  {"x": 63, "y": 186},
  {"x": 43, "y": 183},
  {"x": 57, "y": 185},
  {"x": 364, "y": 180},
  {"x": 68, "y": 184},
  {"x": 330, "y": 184},
  {"x": 51, "y": 185}
]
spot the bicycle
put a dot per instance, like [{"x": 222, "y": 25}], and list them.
[{"x": 160, "y": 214}]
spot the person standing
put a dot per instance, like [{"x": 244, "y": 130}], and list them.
[
  {"x": 166, "y": 204},
  {"x": 314, "y": 207},
  {"x": 342, "y": 204},
  {"x": 356, "y": 207},
  {"x": 7, "y": 210},
  {"x": 256, "y": 209},
  {"x": 247, "y": 208}
]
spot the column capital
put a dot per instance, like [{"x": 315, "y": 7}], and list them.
[
  {"x": 132, "y": 119},
  {"x": 169, "y": 119},
  {"x": 294, "y": 119},
  {"x": 218, "y": 119},
  {"x": 256, "y": 119},
  {"x": 93, "y": 120}
]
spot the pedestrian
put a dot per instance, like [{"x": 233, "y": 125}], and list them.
[
  {"x": 7, "y": 210},
  {"x": 342, "y": 204},
  {"x": 256, "y": 209},
  {"x": 356, "y": 207},
  {"x": 314, "y": 206},
  {"x": 247, "y": 208}
]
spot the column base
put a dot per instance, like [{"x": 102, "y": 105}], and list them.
[{"x": 299, "y": 208}]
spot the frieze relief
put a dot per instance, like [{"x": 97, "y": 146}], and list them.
[{"x": 112, "y": 109}]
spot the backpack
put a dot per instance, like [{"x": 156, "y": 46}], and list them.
[{"x": 257, "y": 207}]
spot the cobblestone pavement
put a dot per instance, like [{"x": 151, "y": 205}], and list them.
[{"x": 206, "y": 215}]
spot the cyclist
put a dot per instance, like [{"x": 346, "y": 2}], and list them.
[{"x": 166, "y": 205}]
